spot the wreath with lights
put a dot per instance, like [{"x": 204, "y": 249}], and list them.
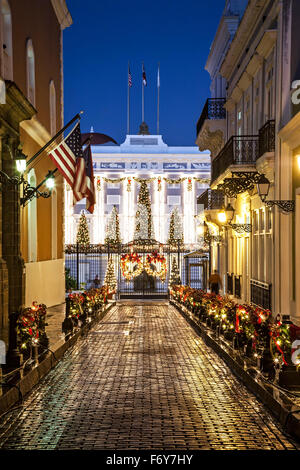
[
  {"x": 131, "y": 265},
  {"x": 159, "y": 262}
]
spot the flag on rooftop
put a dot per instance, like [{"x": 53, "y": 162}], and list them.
[
  {"x": 144, "y": 77},
  {"x": 129, "y": 78}
]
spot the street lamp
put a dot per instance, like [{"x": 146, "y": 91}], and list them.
[
  {"x": 263, "y": 187},
  {"x": 28, "y": 192},
  {"x": 226, "y": 216}
]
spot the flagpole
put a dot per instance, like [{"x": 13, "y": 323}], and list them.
[
  {"x": 143, "y": 93},
  {"x": 128, "y": 103},
  {"x": 158, "y": 88},
  {"x": 53, "y": 138}
]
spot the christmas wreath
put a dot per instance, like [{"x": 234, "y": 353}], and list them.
[
  {"x": 159, "y": 262},
  {"x": 131, "y": 265}
]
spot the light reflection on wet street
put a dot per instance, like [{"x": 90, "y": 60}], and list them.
[{"x": 142, "y": 379}]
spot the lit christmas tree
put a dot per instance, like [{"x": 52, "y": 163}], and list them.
[
  {"x": 110, "y": 279},
  {"x": 143, "y": 218},
  {"x": 174, "y": 277},
  {"x": 83, "y": 236},
  {"x": 113, "y": 228},
  {"x": 175, "y": 228}
]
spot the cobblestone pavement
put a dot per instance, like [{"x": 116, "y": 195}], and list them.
[{"x": 142, "y": 379}]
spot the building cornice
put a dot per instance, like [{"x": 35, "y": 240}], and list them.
[
  {"x": 36, "y": 131},
  {"x": 62, "y": 13},
  {"x": 252, "y": 12}
]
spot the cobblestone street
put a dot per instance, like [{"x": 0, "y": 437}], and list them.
[{"x": 142, "y": 379}]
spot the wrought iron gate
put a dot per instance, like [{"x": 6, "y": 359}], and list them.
[{"x": 87, "y": 263}]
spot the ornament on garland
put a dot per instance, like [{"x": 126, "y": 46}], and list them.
[
  {"x": 129, "y": 181},
  {"x": 83, "y": 237},
  {"x": 131, "y": 266},
  {"x": 98, "y": 184},
  {"x": 295, "y": 357},
  {"x": 159, "y": 264},
  {"x": 112, "y": 236},
  {"x": 110, "y": 279},
  {"x": 189, "y": 184},
  {"x": 159, "y": 184},
  {"x": 174, "y": 276},
  {"x": 175, "y": 228}
]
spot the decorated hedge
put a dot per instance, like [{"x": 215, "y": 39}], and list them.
[
  {"x": 82, "y": 306},
  {"x": 249, "y": 326},
  {"x": 30, "y": 328}
]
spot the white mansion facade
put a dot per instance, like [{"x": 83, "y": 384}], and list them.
[{"x": 117, "y": 170}]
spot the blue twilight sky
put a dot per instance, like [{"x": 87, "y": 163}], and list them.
[{"x": 106, "y": 34}]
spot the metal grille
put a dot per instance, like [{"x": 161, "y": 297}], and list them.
[
  {"x": 261, "y": 294},
  {"x": 213, "y": 109},
  {"x": 267, "y": 138},
  {"x": 211, "y": 199},
  {"x": 87, "y": 262},
  {"x": 239, "y": 150}
]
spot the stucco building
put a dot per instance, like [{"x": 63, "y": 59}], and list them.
[
  {"x": 31, "y": 112},
  {"x": 252, "y": 128}
]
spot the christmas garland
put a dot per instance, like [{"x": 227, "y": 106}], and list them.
[
  {"x": 114, "y": 180},
  {"x": 172, "y": 181},
  {"x": 131, "y": 265},
  {"x": 250, "y": 325},
  {"x": 144, "y": 180},
  {"x": 31, "y": 325}
]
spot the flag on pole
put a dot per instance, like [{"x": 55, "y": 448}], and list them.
[
  {"x": 90, "y": 187},
  {"x": 66, "y": 154},
  {"x": 129, "y": 78},
  {"x": 144, "y": 77},
  {"x": 158, "y": 78}
]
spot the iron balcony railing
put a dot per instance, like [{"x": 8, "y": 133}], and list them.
[
  {"x": 211, "y": 199},
  {"x": 239, "y": 150},
  {"x": 213, "y": 109},
  {"x": 261, "y": 294},
  {"x": 229, "y": 283},
  {"x": 267, "y": 138},
  {"x": 237, "y": 286}
]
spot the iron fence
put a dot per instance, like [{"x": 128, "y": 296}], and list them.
[{"x": 86, "y": 262}]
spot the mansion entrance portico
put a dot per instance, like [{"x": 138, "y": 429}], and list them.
[{"x": 174, "y": 177}]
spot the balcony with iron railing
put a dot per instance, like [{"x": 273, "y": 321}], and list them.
[
  {"x": 213, "y": 109},
  {"x": 211, "y": 199},
  {"x": 239, "y": 150},
  {"x": 267, "y": 138}
]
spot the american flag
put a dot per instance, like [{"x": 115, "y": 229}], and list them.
[
  {"x": 129, "y": 78},
  {"x": 90, "y": 187},
  {"x": 144, "y": 77},
  {"x": 68, "y": 158}
]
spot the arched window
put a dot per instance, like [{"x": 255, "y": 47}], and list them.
[
  {"x": 54, "y": 224},
  {"x": 6, "y": 40},
  {"x": 30, "y": 64},
  {"x": 32, "y": 221},
  {"x": 52, "y": 98}
]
